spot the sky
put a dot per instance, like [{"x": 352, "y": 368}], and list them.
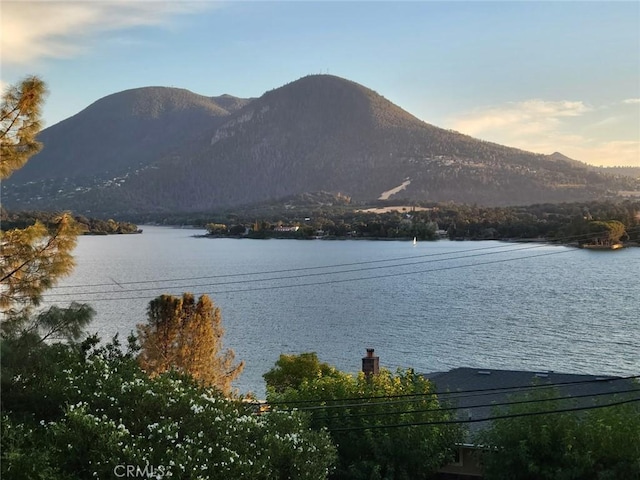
[{"x": 542, "y": 76}]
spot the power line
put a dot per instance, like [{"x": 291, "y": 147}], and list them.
[
  {"x": 469, "y": 407},
  {"x": 326, "y": 282},
  {"x": 540, "y": 386},
  {"x": 465, "y": 393},
  {"x": 300, "y": 269},
  {"x": 288, "y": 270},
  {"x": 486, "y": 419},
  {"x": 304, "y": 275}
]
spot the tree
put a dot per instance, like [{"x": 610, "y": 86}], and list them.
[
  {"x": 187, "y": 336},
  {"x": 607, "y": 231},
  {"x": 20, "y": 123},
  {"x": 602, "y": 443},
  {"x": 216, "y": 228},
  {"x": 356, "y": 410},
  {"x": 291, "y": 370},
  {"x": 33, "y": 258}
]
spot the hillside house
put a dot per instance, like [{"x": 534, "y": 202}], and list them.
[{"x": 282, "y": 228}]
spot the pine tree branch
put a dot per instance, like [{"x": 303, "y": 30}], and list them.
[{"x": 32, "y": 258}]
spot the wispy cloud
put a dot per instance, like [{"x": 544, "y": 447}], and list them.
[
  {"x": 631, "y": 101},
  {"x": 606, "y": 153},
  {"x": 578, "y": 130},
  {"x": 527, "y": 117},
  {"x": 32, "y": 30}
]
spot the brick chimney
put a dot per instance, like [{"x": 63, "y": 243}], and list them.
[{"x": 370, "y": 363}]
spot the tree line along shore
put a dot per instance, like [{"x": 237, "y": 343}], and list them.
[
  {"x": 574, "y": 223},
  {"x": 567, "y": 223}
]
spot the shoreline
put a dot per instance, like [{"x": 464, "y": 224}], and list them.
[{"x": 408, "y": 239}]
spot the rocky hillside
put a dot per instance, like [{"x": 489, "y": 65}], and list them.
[{"x": 160, "y": 149}]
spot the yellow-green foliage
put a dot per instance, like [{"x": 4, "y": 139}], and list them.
[
  {"x": 291, "y": 370},
  {"x": 185, "y": 335},
  {"x": 216, "y": 228},
  {"x": 385, "y": 426},
  {"x": 20, "y": 123},
  {"x": 33, "y": 259},
  {"x": 611, "y": 230}
]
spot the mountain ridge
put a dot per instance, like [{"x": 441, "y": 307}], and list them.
[{"x": 167, "y": 149}]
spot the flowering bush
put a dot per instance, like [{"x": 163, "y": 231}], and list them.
[{"x": 106, "y": 418}]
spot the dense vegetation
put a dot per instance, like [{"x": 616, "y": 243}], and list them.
[
  {"x": 355, "y": 409},
  {"x": 79, "y": 411},
  {"x": 597, "y": 444},
  {"x": 331, "y": 216},
  {"x": 565, "y": 223},
  {"x": 86, "y": 226}
]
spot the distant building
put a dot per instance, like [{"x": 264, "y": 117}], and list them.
[{"x": 286, "y": 229}]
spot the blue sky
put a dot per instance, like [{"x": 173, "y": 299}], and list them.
[{"x": 542, "y": 76}]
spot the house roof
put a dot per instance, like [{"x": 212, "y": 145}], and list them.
[{"x": 480, "y": 389}]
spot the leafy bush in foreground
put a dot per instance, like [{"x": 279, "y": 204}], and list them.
[
  {"x": 105, "y": 415},
  {"x": 597, "y": 444},
  {"x": 386, "y": 426}
]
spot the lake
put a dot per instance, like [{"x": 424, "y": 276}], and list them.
[{"x": 432, "y": 306}]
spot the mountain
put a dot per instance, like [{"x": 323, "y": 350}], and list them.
[
  {"x": 125, "y": 131},
  {"x": 166, "y": 150}
]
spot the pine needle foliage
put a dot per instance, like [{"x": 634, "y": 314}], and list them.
[
  {"x": 20, "y": 122},
  {"x": 32, "y": 260},
  {"x": 184, "y": 335}
]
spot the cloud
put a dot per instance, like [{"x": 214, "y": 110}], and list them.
[
  {"x": 530, "y": 116},
  {"x": 608, "y": 153},
  {"x": 33, "y": 30},
  {"x": 631, "y": 101},
  {"x": 601, "y": 136}
]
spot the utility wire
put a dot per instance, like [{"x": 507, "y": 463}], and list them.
[
  {"x": 465, "y": 393},
  {"x": 301, "y": 269},
  {"x": 326, "y": 282},
  {"x": 303, "y": 275},
  {"x": 288, "y": 270},
  {"x": 486, "y": 419},
  {"x": 467, "y": 407}
]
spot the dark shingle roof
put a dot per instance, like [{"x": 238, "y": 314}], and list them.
[{"x": 486, "y": 387}]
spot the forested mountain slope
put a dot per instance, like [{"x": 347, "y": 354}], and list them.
[
  {"x": 125, "y": 131},
  {"x": 158, "y": 149}
]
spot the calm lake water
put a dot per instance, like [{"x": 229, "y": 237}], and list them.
[{"x": 431, "y": 306}]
